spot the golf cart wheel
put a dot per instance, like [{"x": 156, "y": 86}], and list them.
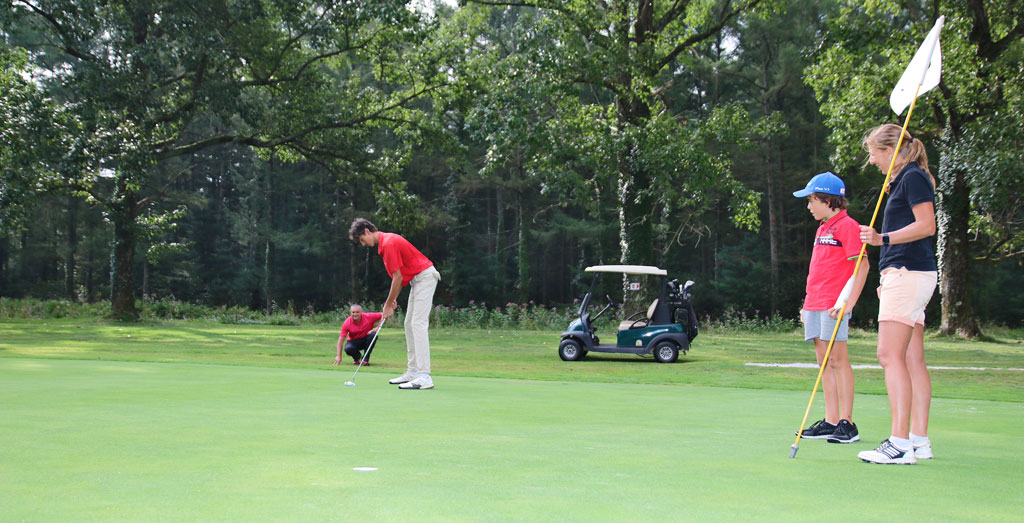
[
  {"x": 571, "y": 350},
  {"x": 666, "y": 352}
]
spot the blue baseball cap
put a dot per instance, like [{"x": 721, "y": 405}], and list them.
[{"x": 825, "y": 182}]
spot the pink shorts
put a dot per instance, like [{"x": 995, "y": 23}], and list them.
[{"x": 904, "y": 294}]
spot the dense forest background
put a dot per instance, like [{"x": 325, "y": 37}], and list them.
[{"x": 218, "y": 154}]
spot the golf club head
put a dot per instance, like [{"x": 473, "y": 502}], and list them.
[{"x": 350, "y": 384}]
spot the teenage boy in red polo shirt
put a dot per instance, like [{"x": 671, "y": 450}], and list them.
[
  {"x": 407, "y": 266},
  {"x": 836, "y": 248},
  {"x": 357, "y": 329}
]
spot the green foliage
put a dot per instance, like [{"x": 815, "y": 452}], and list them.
[
  {"x": 34, "y": 135},
  {"x": 513, "y": 145},
  {"x": 738, "y": 321},
  {"x": 43, "y": 309},
  {"x": 972, "y": 119},
  {"x": 154, "y": 227},
  {"x": 582, "y": 105},
  {"x": 324, "y": 81},
  {"x": 152, "y": 308}
]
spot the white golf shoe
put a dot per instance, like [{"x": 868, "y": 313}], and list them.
[
  {"x": 422, "y": 381},
  {"x": 923, "y": 451},
  {"x": 888, "y": 454},
  {"x": 404, "y": 378}
]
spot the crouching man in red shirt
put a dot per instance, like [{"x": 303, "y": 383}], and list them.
[
  {"x": 407, "y": 266},
  {"x": 357, "y": 328}
]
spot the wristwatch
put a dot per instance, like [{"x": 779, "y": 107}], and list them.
[{"x": 885, "y": 238}]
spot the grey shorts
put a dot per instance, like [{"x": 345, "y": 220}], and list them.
[{"x": 818, "y": 324}]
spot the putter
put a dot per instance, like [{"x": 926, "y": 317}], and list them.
[{"x": 352, "y": 382}]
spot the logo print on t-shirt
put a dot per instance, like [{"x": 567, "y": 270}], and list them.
[{"x": 828, "y": 239}]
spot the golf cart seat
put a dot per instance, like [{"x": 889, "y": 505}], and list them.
[{"x": 641, "y": 322}]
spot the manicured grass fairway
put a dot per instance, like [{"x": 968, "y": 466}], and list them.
[{"x": 137, "y": 440}]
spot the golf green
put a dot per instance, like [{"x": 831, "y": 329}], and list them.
[{"x": 102, "y": 440}]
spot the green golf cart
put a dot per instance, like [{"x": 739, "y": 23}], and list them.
[{"x": 664, "y": 330}]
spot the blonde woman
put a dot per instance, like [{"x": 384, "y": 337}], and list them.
[{"x": 908, "y": 279}]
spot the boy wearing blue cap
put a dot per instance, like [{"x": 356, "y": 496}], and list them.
[{"x": 836, "y": 248}]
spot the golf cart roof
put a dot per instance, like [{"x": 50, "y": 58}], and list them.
[{"x": 628, "y": 269}]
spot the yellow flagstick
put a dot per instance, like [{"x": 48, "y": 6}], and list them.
[{"x": 924, "y": 58}]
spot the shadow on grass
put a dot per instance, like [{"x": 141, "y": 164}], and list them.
[{"x": 598, "y": 359}]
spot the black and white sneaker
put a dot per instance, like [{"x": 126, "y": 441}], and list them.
[
  {"x": 888, "y": 454},
  {"x": 846, "y": 432},
  {"x": 821, "y": 429},
  {"x": 421, "y": 382},
  {"x": 404, "y": 378}
]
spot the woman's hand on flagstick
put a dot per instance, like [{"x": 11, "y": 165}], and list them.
[{"x": 870, "y": 236}]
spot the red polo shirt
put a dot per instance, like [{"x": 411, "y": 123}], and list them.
[
  {"x": 400, "y": 255},
  {"x": 354, "y": 330},
  {"x": 836, "y": 247}
]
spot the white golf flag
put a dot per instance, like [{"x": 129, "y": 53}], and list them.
[{"x": 925, "y": 70}]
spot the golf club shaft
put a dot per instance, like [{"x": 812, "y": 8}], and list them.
[{"x": 369, "y": 348}]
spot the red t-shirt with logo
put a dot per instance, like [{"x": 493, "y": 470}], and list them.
[
  {"x": 359, "y": 330},
  {"x": 836, "y": 247},
  {"x": 400, "y": 255}
]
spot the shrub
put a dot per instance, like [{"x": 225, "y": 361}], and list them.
[
  {"x": 154, "y": 308},
  {"x": 733, "y": 320}
]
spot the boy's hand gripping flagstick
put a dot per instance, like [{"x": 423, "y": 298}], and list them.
[{"x": 921, "y": 76}]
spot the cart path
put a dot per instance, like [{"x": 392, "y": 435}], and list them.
[{"x": 815, "y": 366}]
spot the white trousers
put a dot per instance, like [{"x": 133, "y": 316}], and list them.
[{"x": 417, "y": 319}]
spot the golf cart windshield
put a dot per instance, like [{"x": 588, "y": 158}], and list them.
[
  {"x": 636, "y": 279},
  {"x": 628, "y": 269}
]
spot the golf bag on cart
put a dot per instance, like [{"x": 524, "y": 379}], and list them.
[{"x": 681, "y": 309}]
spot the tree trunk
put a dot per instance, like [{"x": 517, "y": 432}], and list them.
[
  {"x": 89, "y": 283},
  {"x": 69, "y": 262},
  {"x": 544, "y": 273},
  {"x": 499, "y": 256},
  {"x": 958, "y": 316},
  {"x": 145, "y": 278},
  {"x": 353, "y": 276},
  {"x": 4, "y": 260},
  {"x": 773, "y": 243},
  {"x": 636, "y": 212},
  {"x": 269, "y": 300},
  {"x": 636, "y": 239},
  {"x": 523, "y": 256},
  {"x": 637, "y": 207},
  {"x": 122, "y": 283},
  {"x": 268, "y": 229}
]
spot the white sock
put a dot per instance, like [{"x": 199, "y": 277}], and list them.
[
  {"x": 900, "y": 443},
  {"x": 918, "y": 441}
]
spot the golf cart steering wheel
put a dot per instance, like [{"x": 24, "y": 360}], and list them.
[
  {"x": 638, "y": 322},
  {"x": 611, "y": 301}
]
